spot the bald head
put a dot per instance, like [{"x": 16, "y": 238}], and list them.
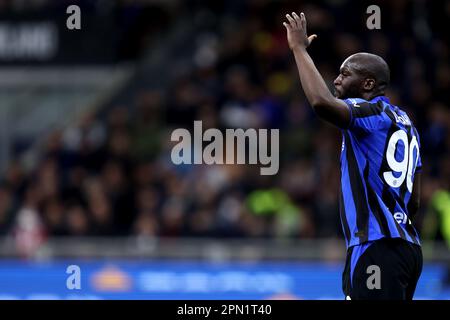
[
  {"x": 370, "y": 66},
  {"x": 362, "y": 75}
]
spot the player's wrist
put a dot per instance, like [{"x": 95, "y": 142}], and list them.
[{"x": 298, "y": 47}]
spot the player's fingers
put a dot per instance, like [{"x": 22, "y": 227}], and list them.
[
  {"x": 312, "y": 37},
  {"x": 291, "y": 20},
  {"x": 297, "y": 19},
  {"x": 287, "y": 25},
  {"x": 303, "y": 20}
]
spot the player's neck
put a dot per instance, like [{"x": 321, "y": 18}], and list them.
[{"x": 371, "y": 95}]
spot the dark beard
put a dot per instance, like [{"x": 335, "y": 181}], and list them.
[{"x": 351, "y": 92}]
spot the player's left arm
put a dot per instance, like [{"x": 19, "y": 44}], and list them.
[
  {"x": 414, "y": 201},
  {"x": 319, "y": 96}
]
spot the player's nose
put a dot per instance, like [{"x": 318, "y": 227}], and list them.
[{"x": 337, "y": 81}]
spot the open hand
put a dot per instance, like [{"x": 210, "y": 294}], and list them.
[{"x": 296, "y": 31}]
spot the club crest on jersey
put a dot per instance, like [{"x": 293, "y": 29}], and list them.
[{"x": 354, "y": 102}]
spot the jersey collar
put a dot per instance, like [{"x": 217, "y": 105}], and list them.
[{"x": 382, "y": 98}]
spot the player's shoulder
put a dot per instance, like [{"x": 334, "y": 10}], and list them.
[
  {"x": 361, "y": 108},
  {"x": 399, "y": 116}
]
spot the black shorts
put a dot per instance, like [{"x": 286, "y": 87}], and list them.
[{"x": 388, "y": 269}]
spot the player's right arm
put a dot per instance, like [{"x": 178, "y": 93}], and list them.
[{"x": 322, "y": 101}]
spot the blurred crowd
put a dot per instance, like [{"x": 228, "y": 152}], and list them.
[{"x": 111, "y": 173}]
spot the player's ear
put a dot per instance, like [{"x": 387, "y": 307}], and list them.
[{"x": 369, "y": 84}]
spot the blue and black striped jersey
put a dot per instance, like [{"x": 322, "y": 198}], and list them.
[{"x": 379, "y": 158}]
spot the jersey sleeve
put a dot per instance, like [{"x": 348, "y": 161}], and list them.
[{"x": 364, "y": 115}]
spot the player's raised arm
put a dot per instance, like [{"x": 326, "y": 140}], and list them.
[{"x": 322, "y": 101}]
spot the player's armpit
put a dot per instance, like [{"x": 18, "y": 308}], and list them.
[
  {"x": 334, "y": 111},
  {"x": 414, "y": 201}
]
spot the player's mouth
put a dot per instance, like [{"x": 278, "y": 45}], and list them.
[{"x": 337, "y": 92}]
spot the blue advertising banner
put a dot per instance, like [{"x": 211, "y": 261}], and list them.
[{"x": 121, "y": 279}]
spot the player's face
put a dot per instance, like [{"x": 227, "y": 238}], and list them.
[{"x": 348, "y": 82}]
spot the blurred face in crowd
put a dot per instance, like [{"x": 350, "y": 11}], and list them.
[
  {"x": 77, "y": 222},
  {"x": 5, "y": 202}
]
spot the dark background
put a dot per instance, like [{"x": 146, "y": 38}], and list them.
[{"x": 108, "y": 172}]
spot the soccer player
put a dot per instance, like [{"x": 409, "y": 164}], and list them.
[{"x": 380, "y": 164}]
